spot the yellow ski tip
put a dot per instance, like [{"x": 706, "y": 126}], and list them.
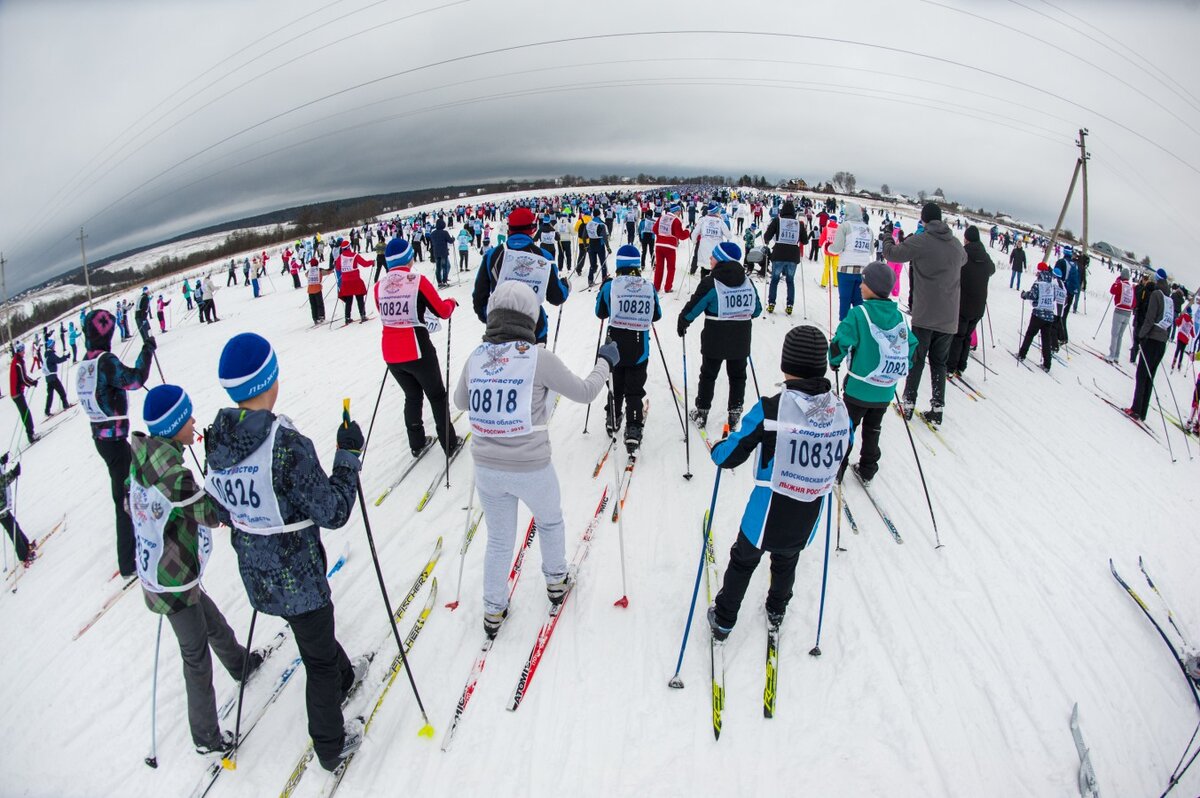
[
  {"x": 426, "y": 731},
  {"x": 228, "y": 763}
]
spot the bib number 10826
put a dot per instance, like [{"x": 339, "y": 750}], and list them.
[{"x": 238, "y": 492}]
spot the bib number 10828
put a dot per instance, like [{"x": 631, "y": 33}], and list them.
[
  {"x": 482, "y": 400},
  {"x": 634, "y": 306}
]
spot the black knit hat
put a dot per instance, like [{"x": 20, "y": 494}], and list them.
[
  {"x": 930, "y": 212},
  {"x": 805, "y": 352}
]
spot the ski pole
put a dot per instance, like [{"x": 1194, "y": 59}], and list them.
[
  {"x": 803, "y": 288},
  {"x": 557, "y": 327},
  {"x": 907, "y": 428},
  {"x": 754, "y": 374},
  {"x": 839, "y": 517},
  {"x": 983, "y": 351},
  {"x": 446, "y": 424},
  {"x": 1161, "y": 414},
  {"x": 588, "y": 414},
  {"x": 427, "y": 729},
  {"x": 815, "y": 651},
  {"x": 1102, "y": 315},
  {"x": 462, "y": 551},
  {"x": 1178, "y": 414},
  {"x": 623, "y": 601},
  {"x": 371, "y": 426},
  {"x": 987, "y": 311},
  {"x": 675, "y": 681},
  {"x": 687, "y": 435},
  {"x": 670, "y": 383},
  {"x": 152, "y": 760},
  {"x": 229, "y": 761}
]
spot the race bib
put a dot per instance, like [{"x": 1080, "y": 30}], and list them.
[
  {"x": 893, "y": 354},
  {"x": 665, "y": 225},
  {"x": 735, "y": 303},
  {"x": 398, "y": 299},
  {"x": 150, "y": 511},
  {"x": 85, "y": 389},
  {"x": 789, "y": 231},
  {"x": 810, "y": 443},
  {"x": 528, "y": 268},
  {"x": 500, "y": 389},
  {"x": 1168, "y": 315},
  {"x": 246, "y": 490},
  {"x": 632, "y": 303}
]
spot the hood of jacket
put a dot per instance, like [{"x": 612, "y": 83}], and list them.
[
  {"x": 853, "y": 212},
  {"x": 938, "y": 229},
  {"x": 235, "y": 434},
  {"x": 729, "y": 272}
]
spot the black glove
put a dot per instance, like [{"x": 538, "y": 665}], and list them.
[
  {"x": 17, "y": 471},
  {"x": 609, "y": 352},
  {"x": 150, "y": 343},
  {"x": 350, "y": 437},
  {"x": 4, "y": 459},
  {"x": 681, "y": 326}
]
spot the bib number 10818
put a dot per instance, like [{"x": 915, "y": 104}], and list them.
[{"x": 482, "y": 400}]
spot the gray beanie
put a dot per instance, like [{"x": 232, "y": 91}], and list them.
[
  {"x": 514, "y": 295},
  {"x": 880, "y": 278},
  {"x": 805, "y": 352},
  {"x": 1124, "y": 273}
]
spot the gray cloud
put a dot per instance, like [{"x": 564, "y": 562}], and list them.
[{"x": 145, "y": 119}]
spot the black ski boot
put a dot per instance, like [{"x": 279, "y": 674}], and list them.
[
  {"x": 735, "y": 416},
  {"x": 700, "y": 416},
  {"x": 719, "y": 633},
  {"x": 633, "y": 438}
]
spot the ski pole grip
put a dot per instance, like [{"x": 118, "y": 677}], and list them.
[{"x": 346, "y": 412}]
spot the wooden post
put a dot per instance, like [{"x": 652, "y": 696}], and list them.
[{"x": 1061, "y": 214}]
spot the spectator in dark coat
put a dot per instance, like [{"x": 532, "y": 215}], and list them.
[{"x": 972, "y": 299}]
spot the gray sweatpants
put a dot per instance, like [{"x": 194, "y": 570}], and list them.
[
  {"x": 199, "y": 627},
  {"x": 498, "y": 494},
  {"x": 1120, "y": 321}
]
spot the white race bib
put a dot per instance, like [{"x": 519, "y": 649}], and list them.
[
  {"x": 631, "y": 302},
  {"x": 528, "y": 268},
  {"x": 789, "y": 231},
  {"x": 1168, "y": 315},
  {"x": 1046, "y": 297},
  {"x": 547, "y": 237},
  {"x": 347, "y": 263},
  {"x": 1126, "y": 295},
  {"x": 665, "y": 223},
  {"x": 734, "y": 303},
  {"x": 593, "y": 229},
  {"x": 810, "y": 443},
  {"x": 858, "y": 245},
  {"x": 500, "y": 389},
  {"x": 151, "y": 510},
  {"x": 398, "y": 299},
  {"x": 713, "y": 228},
  {"x": 893, "y": 354},
  {"x": 85, "y": 389},
  {"x": 246, "y": 490},
  {"x": 314, "y": 274}
]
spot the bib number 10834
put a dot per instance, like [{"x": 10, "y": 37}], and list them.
[{"x": 815, "y": 454}]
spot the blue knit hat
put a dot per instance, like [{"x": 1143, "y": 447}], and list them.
[
  {"x": 674, "y": 208},
  {"x": 727, "y": 250},
  {"x": 628, "y": 257},
  {"x": 248, "y": 366},
  {"x": 712, "y": 208},
  {"x": 398, "y": 253},
  {"x": 166, "y": 410},
  {"x": 1161, "y": 274}
]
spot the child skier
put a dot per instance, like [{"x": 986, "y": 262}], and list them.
[
  {"x": 350, "y": 284},
  {"x": 101, "y": 385},
  {"x": 50, "y": 372},
  {"x": 316, "y": 298},
  {"x": 1183, "y": 337},
  {"x": 26, "y": 550},
  {"x": 1044, "y": 318},
  {"x": 798, "y": 438},
  {"x": 728, "y": 301},
  {"x": 630, "y": 304},
  {"x": 881, "y": 346},
  {"x": 406, "y": 302},
  {"x": 254, "y": 453},
  {"x": 172, "y": 517},
  {"x": 510, "y": 444}
]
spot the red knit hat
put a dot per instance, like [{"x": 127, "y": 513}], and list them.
[
  {"x": 1043, "y": 267},
  {"x": 521, "y": 219}
]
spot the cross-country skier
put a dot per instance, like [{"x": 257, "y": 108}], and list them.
[
  {"x": 141, "y": 316},
  {"x": 880, "y": 345},
  {"x": 26, "y": 551},
  {"x": 101, "y": 384},
  {"x": 1016, "y": 261},
  {"x": 710, "y": 231},
  {"x": 50, "y": 372},
  {"x": 798, "y": 438},
  {"x": 851, "y": 245},
  {"x": 1152, "y": 336},
  {"x": 972, "y": 299},
  {"x": 407, "y": 301},
  {"x": 505, "y": 388},
  {"x": 728, "y": 301},
  {"x": 1123, "y": 302},
  {"x": 350, "y": 285},
  {"x": 630, "y": 304},
  {"x": 73, "y": 336},
  {"x": 1044, "y": 317},
  {"x": 669, "y": 233},
  {"x": 790, "y": 237},
  {"x": 162, "y": 315},
  {"x": 598, "y": 249},
  {"x": 1183, "y": 337},
  {"x": 172, "y": 520},
  {"x": 18, "y": 381},
  {"x": 254, "y": 454},
  {"x": 520, "y": 259}
]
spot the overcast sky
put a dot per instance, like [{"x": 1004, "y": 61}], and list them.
[{"x": 141, "y": 120}]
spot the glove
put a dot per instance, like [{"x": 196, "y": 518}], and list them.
[
  {"x": 609, "y": 352},
  {"x": 17, "y": 470},
  {"x": 150, "y": 343},
  {"x": 3, "y": 459},
  {"x": 350, "y": 437},
  {"x": 681, "y": 326}
]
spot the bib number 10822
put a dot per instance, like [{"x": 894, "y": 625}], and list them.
[{"x": 482, "y": 400}]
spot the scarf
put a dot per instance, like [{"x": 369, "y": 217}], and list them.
[{"x": 504, "y": 325}]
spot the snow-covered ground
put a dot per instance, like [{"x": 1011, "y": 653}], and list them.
[{"x": 945, "y": 673}]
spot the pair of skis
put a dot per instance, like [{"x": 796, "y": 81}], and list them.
[
  {"x": 19, "y": 569},
  {"x": 408, "y": 469}
]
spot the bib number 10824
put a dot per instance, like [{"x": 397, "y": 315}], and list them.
[{"x": 482, "y": 400}]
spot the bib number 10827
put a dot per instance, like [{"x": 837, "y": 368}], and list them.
[
  {"x": 238, "y": 492},
  {"x": 482, "y": 400}
]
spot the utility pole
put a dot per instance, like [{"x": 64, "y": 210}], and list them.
[
  {"x": 7, "y": 310},
  {"x": 86, "y": 277},
  {"x": 1080, "y": 167},
  {"x": 1083, "y": 158}
]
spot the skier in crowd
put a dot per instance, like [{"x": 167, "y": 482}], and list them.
[
  {"x": 1183, "y": 337},
  {"x": 141, "y": 316},
  {"x": 1141, "y": 302},
  {"x": 935, "y": 261},
  {"x": 172, "y": 520},
  {"x": 1043, "y": 318},
  {"x": 351, "y": 288},
  {"x": 598, "y": 249},
  {"x": 278, "y": 543},
  {"x": 26, "y": 550},
  {"x": 1123, "y": 302},
  {"x": 407, "y": 303},
  {"x": 510, "y": 444},
  {"x": 669, "y": 232},
  {"x": 785, "y": 505},
  {"x": 728, "y": 301},
  {"x": 829, "y": 226},
  {"x": 440, "y": 241},
  {"x": 53, "y": 383},
  {"x": 464, "y": 239},
  {"x": 73, "y": 336},
  {"x": 710, "y": 231},
  {"x": 972, "y": 300},
  {"x": 18, "y": 381},
  {"x": 566, "y": 235},
  {"x": 880, "y": 345},
  {"x": 162, "y": 313},
  {"x": 187, "y": 293},
  {"x": 1152, "y": 336},
  {"x": 101, "y": 385},
  {"x": 520, "y": 259},
  {"x": 851, "y": 246},
  {"x": 790, "y": 236},
  {"x": 630, "y": 304}
]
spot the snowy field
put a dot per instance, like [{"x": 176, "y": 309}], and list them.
[{"x": 946, "y": 672}]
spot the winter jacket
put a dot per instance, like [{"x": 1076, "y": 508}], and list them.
[
  {"x": 113, "y": 379},
  {"x": 937, "y": 259},
  {"x": 1141, "y": 295},
  {"x": 1117, "y": 289},
  {"x": 853, "y": 337},
  {"x": 18, "y": 380},
  {"x": 1159, "y": 301},
  {"x": 976, "y": 274},
  {"x": 440, "y": 242},
  {"x": 789, "y": 253},
  {"x": 1183, "y": 324},
  {"x": 348, "y": 264},
  {"x": 708, "y": 232},
  {"x": 532, "y": 452},
  {"x": 787, "y": 524},
  {"x": 1016, "y": 260},
  {"x": 404, "y": 344},
  {"x": 284, "y": 574},
  {"x": 6, "y": 479},
  {"x": 634, "y": 344},
  {"x": 158, "y": 463},
  {"x": 1073, "y": 278},
  {"x": 557, "y": 289},
  {"x": 1043, "y": 283},
  {"x": 719, "y": 339},
  {"x": 51, "y": 362},
  {"x": 677, "y": 231}
]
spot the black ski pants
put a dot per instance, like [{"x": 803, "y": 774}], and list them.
[
  {"x": 647, "y": 249},
  {"x": 117, "y": 456},
  {"x": 316, "y": 303},
  {"x": 936, "y": 346},
  {"x": 1049, "y": 330},
  {"x": 421, "y": 379},
  {"x": 329, "y": 675},
  {"x": 960, "y": 346},
  {"x": 564, "y": 257},
  {"x": 24, "y": 414},
  {"x": 629, "y": 386},
  {"x": 362, "y": 307},
  {"x": 15, "y": 535},
  {"x": 710, "y": 367},
  {"x": 867, "y": 422},
  {"x": 1147, "y": 367},
  {"x": 54, "y": 386},
  {"x": 743, "y": 559}
]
